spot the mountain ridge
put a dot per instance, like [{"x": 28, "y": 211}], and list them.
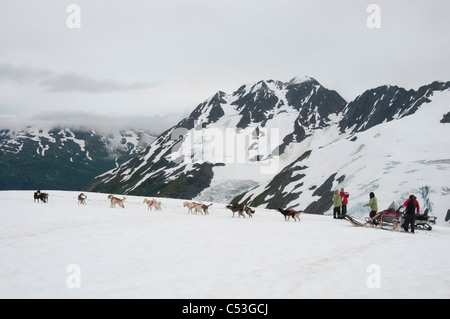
[
  {"x": 62, "y": 157},
  {"x": 251, "y": 107},
  {"x": 183, "y": 162}
]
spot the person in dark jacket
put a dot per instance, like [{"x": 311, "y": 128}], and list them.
[{"x": 412, "y": 205}]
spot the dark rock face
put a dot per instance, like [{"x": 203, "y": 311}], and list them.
[
  {"x": 279, "y": 198},
  {"x": 212, "y": 107},
  {"x": 326, "y": 196},
  {"x": 446, "y": 118},
  {"x": 385, "y": 103},
  {"x": 254, "y": 106}
]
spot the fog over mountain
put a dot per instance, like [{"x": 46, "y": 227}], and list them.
[{"x": 103, "y": 123}]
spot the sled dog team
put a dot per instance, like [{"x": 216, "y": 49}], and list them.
[
  {"x": 193, "y": 207},
  {"x": 340, "y": 200}
]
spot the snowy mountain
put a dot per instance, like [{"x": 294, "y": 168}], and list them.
[
  {"x": 63, "y": 158},
  {"x": 278, "y": 144},
  {"x": 248, "y": 125},
  {"x": 405, "y": 153}
]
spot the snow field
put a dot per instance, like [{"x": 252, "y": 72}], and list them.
[{"x": 136, "y": 253}]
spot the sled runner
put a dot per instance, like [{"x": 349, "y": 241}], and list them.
[
  {"x": 393, "y": 218},
  {"x": 387, "y": 217},
  {"x": 354, "y": 222}
]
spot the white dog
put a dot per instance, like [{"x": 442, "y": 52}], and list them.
[
  {"x": 149, "y": 203},
  {"x": 157, "y": 205},
  {"x": 152, "y": 203},
  {"x": 190, "y": 206}
]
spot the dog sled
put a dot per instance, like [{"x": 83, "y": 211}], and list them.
[
  {"x": 392, "y": 219},
  {"x": 389, "y": 218}
]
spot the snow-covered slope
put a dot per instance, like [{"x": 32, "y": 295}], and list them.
[{"x": 65, "y": 250}]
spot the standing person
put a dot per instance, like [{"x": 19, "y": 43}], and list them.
[
  {"x": 344, "y": 197},
  {"x": 337, "y": 203},
  {"x": 373, "y": 204},
  {"x": 411, "y": 205}
]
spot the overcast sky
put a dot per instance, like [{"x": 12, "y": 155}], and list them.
[{"x": 145, "y": 58}]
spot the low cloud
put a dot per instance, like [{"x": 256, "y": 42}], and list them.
[
  {"x": 71, "y": 82},
  {"x": 65, "y": 82},
  {"x": 106, "y": 124},
  {"x": 21, "y": 74}
]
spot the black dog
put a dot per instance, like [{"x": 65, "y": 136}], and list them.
[
  {"x": 288, "y": 213},
  {"x": 43, "y": 197},
  {"x": 240, "y": 209}
]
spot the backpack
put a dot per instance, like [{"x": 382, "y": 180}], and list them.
[{"x": 411, "y": 207}]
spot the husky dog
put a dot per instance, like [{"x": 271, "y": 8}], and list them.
[
  {"x": 235, "y": 209},
  {"x": 82, "y": 199},
  {"x": 240, "y": 209},
  {"x": 205, "y": 208},
  {"x": 157, "y": 205},
  {"x": 115, "y": 200},
  {"x": 288, "y": 213},
  {"x": 43, "y": 197},
  {"x": 249, "y": 211},
  {"x": 150, "y": 203},
  {"x": 190, "y": 206}
]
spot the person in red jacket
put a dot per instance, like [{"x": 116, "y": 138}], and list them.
[
  {"x": 412, "y": 205},
  {"x": 344, "y": 197},
  {"x": 416, "y": 204}
]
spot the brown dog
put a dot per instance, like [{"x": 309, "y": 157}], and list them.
[
  {"x": 115, "y": 200},
  {"x": 82, "y": 199}
]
